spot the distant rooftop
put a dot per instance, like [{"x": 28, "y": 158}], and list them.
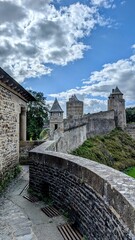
[
  {"x": 116, "y": 91},
  {"x": 56, "y": 107},
  {"x": 7, "y": 81},
  {"x": 73, "y": 98}
]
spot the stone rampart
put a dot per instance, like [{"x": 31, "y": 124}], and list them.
[
  {"x": 71, "y": 139},
  {"x": 96, "y": 123},
  {"x": 99, "y": 200},
  {"x": 99, "y": 126},
  {"x": 66, "y": 142},
  {"x": 103, "y": 114}
]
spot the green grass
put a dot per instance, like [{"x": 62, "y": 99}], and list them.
[
  {"x": 116, "y": 149},
  {"x": 130, "y": 171}
]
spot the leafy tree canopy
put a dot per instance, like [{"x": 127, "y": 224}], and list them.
[
  {"x": 130, "y": 115},
  {"x": 37, "y": 115}
]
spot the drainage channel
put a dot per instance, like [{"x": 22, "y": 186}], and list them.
[
  {"x": 50, "y": 211},
  {"x": 69, "y": 233},
  {"x": 31, "y": 198}
]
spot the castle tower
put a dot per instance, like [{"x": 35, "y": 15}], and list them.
[
  {"x": 117, "y": 103},
  {"x": 74, "y": 107},
  {"x": 56, "y": 119}
]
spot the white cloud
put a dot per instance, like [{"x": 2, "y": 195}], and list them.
[
  {"x": 123, "y": 2},
  {"x": 35, "y": 33},
  {"x": 133, "y": 46},
  {"x": 100, "y": 84},
  {"x": 94, "y": 105},
  {"x": 103, "y": 3},
  {"x": 121, "y": 73}
]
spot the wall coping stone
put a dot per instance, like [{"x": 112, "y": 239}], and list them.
[
  {"x": 116, "y": 188},
  {"x": 42, "y": 148}
]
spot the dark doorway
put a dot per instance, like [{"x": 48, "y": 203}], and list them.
[{"x": 56, "y": 127}]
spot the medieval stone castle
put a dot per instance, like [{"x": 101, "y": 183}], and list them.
[
  {"x": 77, "y": 127},
  {"x": 95, "y": 196},
  {"x": 99, "y": 200}
]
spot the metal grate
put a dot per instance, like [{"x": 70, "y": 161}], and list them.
[
  {"x": 50, "y": 211},
  {"x": 31, "y": 198},
  {"x": 69, "y": 233}
]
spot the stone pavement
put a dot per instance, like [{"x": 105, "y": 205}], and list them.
[{"x": 23, "y": 220}]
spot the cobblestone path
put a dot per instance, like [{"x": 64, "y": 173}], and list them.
[{"x": 23, "y": 220}]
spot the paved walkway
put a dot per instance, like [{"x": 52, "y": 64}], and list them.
[{"x": 23, "y": 220}]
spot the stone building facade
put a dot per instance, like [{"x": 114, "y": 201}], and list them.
[{"x": 13, "y": 107}]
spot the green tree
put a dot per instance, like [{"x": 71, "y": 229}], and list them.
[
  {"x": 130, "y": 115},
  {"x": 37, "y": 115}
]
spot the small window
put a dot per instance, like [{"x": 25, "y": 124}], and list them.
[{"x": 56, "y": 127}]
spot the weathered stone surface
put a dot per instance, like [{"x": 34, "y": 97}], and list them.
[
  {"x": 23, "y": 220},
  {"x": 10, "y": 109},
  {"x": 117, "y": 103},
  {"x": 77, "y": 130},
  {"x": 71, "y": 139},
  {"x": 99, "y": 199},
  {"x": 24, "y": 148},
  {"x": 131, "y": 130},
  {"x": 70, "y": 130},
  {"x": 74, "y": 107}
]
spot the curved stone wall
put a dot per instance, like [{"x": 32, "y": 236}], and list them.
[{"x": 99, "y": 200}]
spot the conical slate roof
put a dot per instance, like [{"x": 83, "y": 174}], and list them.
[
  {"x": 56, "y": 107},
  {"x": 117, "y": 91}
]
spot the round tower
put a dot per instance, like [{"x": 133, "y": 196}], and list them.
[
  {"x": 117, "y": 103},
  {"x": 56, "y": 120}
]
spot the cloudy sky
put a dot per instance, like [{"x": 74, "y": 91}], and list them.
[{"x": 65, "y": 47}]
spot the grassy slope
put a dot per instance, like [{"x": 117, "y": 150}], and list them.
[
  {"x": 116, "y": 149},
  {"x": 130, "y": 172}
]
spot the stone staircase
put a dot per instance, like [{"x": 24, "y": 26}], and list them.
[{"x": 130, "y": 129}]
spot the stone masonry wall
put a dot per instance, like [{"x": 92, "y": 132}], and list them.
[
  {"x": 100, "y": 200},
  {"x": 96, "y": 123},
  {"x": 99, "y": 126},
  {"x": 131, "y": 130},
  {"x": 103, "y": 114},
  {"x": 9, "y": 130},
  {"x": 24, "y": 148},
  {"x": 71, "y": 139}
]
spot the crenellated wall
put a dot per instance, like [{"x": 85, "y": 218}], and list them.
[{"x": 100, "y": 200}]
